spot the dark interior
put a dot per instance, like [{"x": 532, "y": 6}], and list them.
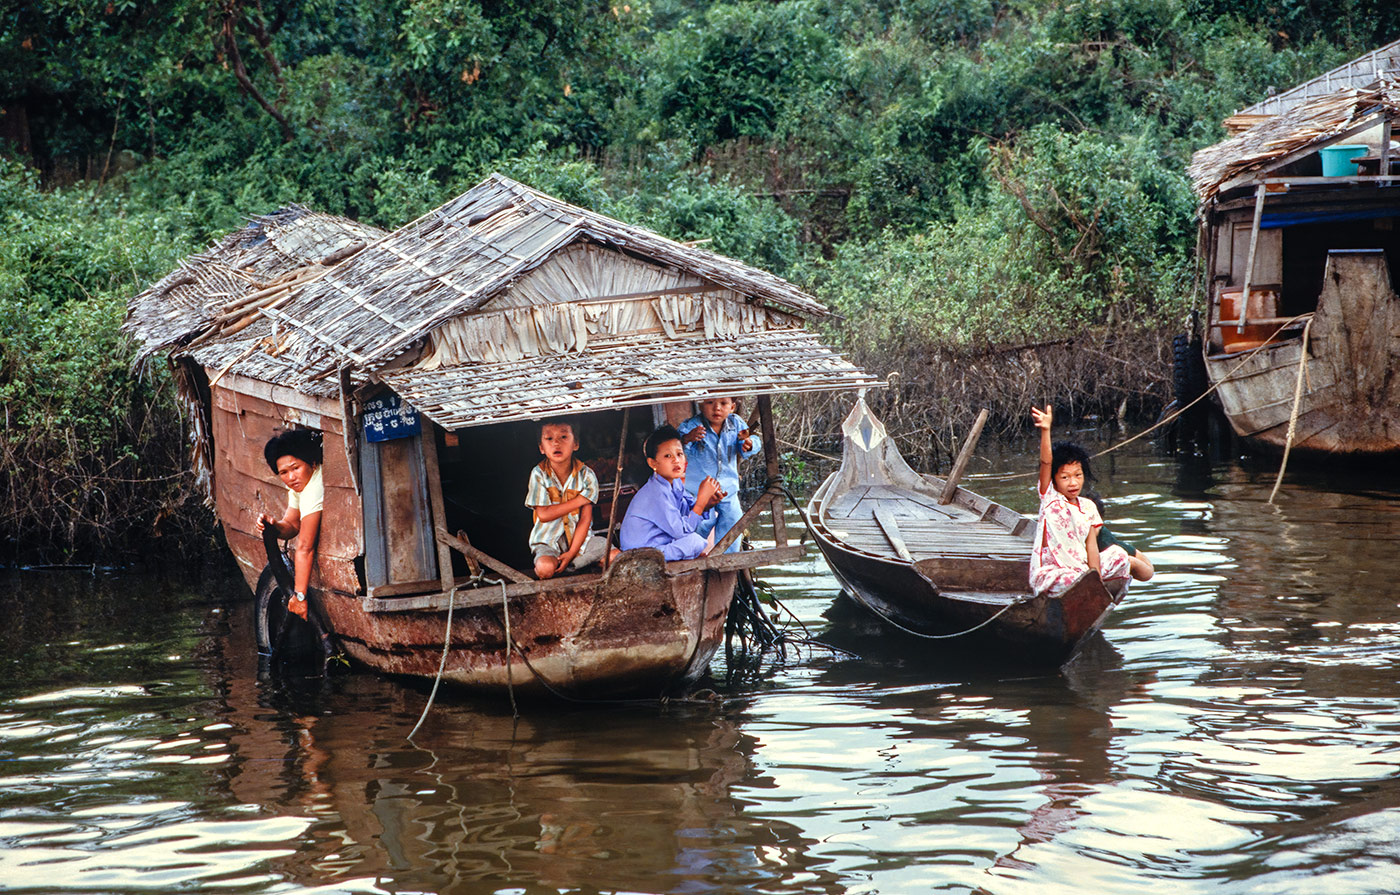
[
  {"x": 485, "y": 473},
  {"x": 1305, "y": 248}
]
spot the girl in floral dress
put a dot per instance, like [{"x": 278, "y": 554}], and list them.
[{"x": 1066, "y": 534}]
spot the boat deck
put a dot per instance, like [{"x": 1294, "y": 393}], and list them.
[{"x": 878, "y": 519}]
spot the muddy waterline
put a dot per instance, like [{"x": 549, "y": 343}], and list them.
[{"x": 1235, "y": 729}]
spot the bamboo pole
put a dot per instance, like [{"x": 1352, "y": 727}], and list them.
[
  {"x": 770, "y": 455},
  {"x": 1249, "y": 264},
  {"x": 617, "y": 487}
]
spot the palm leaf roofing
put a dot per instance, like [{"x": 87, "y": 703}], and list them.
[
  {"x": 298, "y": 297},
  {"x": 1305, "y": 127}
]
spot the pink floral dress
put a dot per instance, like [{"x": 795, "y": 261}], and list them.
[{"x": 1059, "y": 556}]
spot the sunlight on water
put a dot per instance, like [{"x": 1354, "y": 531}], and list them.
[{"x": 1235, "y": 729}]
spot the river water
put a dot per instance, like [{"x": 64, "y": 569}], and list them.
[{"x": 1235, "y": 729}]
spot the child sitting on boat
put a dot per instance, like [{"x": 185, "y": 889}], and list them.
[
  {"x": 1138, "y": 563},
  {"x": 562, "y": 492},
  {"x": 661, "y": 514},
  {"x": 1066, "y": 534},
  {"x": 715, "y": 439}
]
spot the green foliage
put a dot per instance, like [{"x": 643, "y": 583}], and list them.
[
  {"x": 946, "y": 173},
  {"x": 80, "y": 435},
  {"x": 735, "y": 70},
  {"x": 1080, "y": 231}
]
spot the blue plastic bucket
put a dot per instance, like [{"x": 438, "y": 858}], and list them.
[{"x": 1339, "y": 161}]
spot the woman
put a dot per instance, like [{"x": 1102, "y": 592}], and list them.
[{"x": 296, "y": 458}]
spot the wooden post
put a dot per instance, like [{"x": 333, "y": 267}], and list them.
[
  {"x": 485, "y": 559},
  {"x": 743, "y": 523},
  {"x": 950, "y": 486},
  {"x": 435, "y": 501},
  {"x": 1249, "y": 262},
  {"x": 1386, "y": 128},
  {"x": 617, "y": 488},
  {"x": 770, "y": 456},
  {"x": 349, "y": 430}
]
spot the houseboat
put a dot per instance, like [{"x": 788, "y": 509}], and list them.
[
  {"x": 426, "y": 357},
  {"x": 1299, "y": 243}
]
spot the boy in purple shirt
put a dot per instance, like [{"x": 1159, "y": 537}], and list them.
[{"x": 661, "y": 515}]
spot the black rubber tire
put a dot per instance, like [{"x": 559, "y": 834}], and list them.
[
  {"x": 1188, "y": 369},
  {"x": 281, "y": 635},
  {"x": 269, "y": 609}
]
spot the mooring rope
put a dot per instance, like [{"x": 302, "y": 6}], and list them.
[
  {"x": 1293, "y": 416},
  {"x": 1180, "y": 410},
  {"x": 442, "y": 664},
  {"x": 510, "y": 677},
  {"x": 981, "y": 624}
]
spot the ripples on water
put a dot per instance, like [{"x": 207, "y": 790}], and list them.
[{"x": 1237, "y": 729}]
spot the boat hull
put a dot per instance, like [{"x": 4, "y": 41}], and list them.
[
  {"x": 1041, "y": 630},
  {"x": 956, "y": 591},
  {"x": 638, "y": 629},
  {"x": 1350, "y": 398}
]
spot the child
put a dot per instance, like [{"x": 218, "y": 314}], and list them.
[
  {"x": 1138, "y": 563},
  {"x": 661, "y": 514},
  {"x": 715, "y": 439},
  {"x": 1066, "y": 535},
  {"x": 562, "y": 493}
]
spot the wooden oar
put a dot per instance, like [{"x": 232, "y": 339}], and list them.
[{"x": 892, "y": 533}]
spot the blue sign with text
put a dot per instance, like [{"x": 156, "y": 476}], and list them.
[{"x": 390, "y": 417}]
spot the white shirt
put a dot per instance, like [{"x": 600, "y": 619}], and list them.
[{"x": 311, "y": 497}]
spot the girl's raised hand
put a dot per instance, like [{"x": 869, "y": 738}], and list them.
[{"x": 1042, "y": 418}]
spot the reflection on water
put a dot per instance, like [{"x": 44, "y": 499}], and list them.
[{"x": 1236, "y": 728}]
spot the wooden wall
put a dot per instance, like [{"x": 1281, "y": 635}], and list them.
[{"x": 246, "y": 414}]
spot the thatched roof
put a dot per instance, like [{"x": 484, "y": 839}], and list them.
[
  {"x": 1302, "y": 129},
  {"x": 455, "y": 259},
  {"x": 504, "y": 287},
  {"x": 1363, "y": 71},
  {"x": 271, "y": 249},
  {"x": 628, "y": 374}
]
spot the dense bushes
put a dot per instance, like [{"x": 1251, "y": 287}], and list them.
[
  {"x": 959, "y": 178},
  {"x": 91, "y": 459}
]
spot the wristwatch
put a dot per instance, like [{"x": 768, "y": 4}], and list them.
[{"x": 299, "y": 597}]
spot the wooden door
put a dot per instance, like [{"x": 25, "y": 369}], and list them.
[{"x": 400, "y": 548}]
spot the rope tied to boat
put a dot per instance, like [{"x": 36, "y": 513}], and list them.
[
  {"x": 1185, "y": 407},
  {"x": 1293, "y": 416},
  {"x": 442, "y": 664},
  {"x": 447, "y": 647},
  {"x": 978, "y": 626}
]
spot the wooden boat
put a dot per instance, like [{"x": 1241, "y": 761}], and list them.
[
  {"x": 425, "y": 357},
  {"x": 937, "y": 567},
  {"x": 1300, "y": 246}
]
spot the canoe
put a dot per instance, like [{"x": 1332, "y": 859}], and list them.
[{"x": 956, "y": 571}]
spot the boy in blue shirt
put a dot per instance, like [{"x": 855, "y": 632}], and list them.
[
  {"x": 715, "y": 439},
  {"x": 661, "y": 514}
]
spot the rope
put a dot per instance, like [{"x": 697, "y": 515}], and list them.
[
  {"x": 442, "y": 664},
  {"x": 1293, "y": 416},
  {"x": 510, "y": 678},
  {"x": 981, "y": 624},
  {"x": 1180, "y": 410},
  {"x": 818, "y": 454}
]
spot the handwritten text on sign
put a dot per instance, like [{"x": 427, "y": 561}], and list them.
[{"x": 390, "y": 417}]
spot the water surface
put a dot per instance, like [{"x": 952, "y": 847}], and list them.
[{"x": 1235, "y": 729}]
